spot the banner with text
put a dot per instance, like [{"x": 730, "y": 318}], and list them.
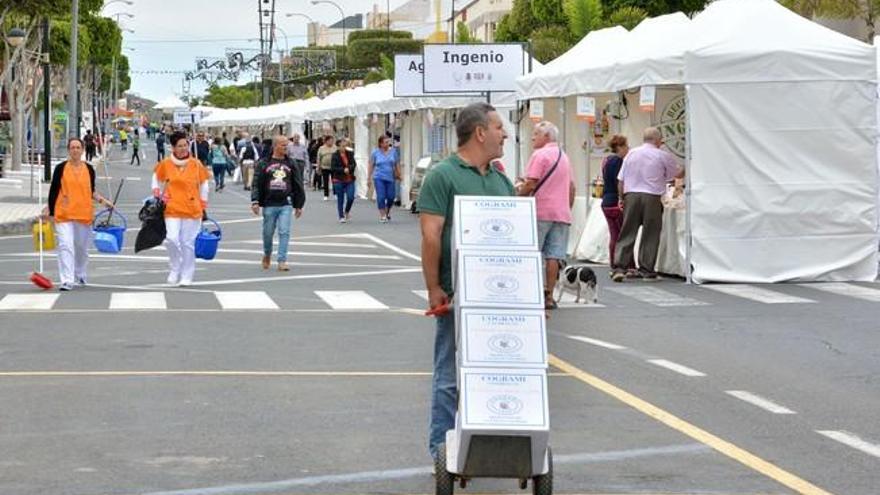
[
  {"x": 408, "y": 70},
  {"x": 456, "y": 68}
]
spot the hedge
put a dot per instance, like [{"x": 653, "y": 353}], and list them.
[{"x": 365, "y": 53}]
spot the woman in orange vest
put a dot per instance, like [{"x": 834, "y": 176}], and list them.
[
  {"x": 182, "y": 182},
  {"x": 71, "y": 197}
]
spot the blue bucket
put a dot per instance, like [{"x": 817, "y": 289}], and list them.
[
  {"x": 208, "y": 240},
  {"x": 109, "y": 238}
]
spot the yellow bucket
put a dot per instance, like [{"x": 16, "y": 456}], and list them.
[{"x": 48, "y": 236}]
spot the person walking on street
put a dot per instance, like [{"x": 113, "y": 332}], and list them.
[
  {"x": 383, "y": 171},
  {"x": 89, "y": 141},
  {"x": 70, "y": 204},
  {"x": 299, "y": 154},
  {"x": 325, "y": 160},
  {"x": 219, "y": 162},
  {"x": 135, "y": 148},
  {"x": 183, "y": 183},
  {"x": 469, "y": 171},
  {"x": 314, "y": 176},
  {"x": 160, "y": 146},
  {"x": 200, "y": 149},
  {"x": 123, "y": 139},
  {"x": 549, "y": 180},
  {"x": 277, "y": 189},
  {"x": 643, "y": 177},
  {"x": 248, "y": 155},
  {"x": 611, "y": 203},
  {"x": 342, "y": 171}
]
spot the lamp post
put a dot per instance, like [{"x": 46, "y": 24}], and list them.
[
  {"x": 111, "y": 2},
  {"x": 281, "y": 77},
  {"x": 331, "y": 2},
  {"x": 73, "y": 91},
  {"x": 311, "y": 21}
]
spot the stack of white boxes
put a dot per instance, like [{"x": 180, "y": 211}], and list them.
[{"x": 501, "y": 336}]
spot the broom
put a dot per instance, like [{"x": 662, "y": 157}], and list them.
[{"x": 38, "y": 278}]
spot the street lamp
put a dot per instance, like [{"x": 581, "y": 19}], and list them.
[
  {"x": 111, "y": 2},
  {"x": 16, "y": 37},
  {"x": 331, "y": 2},
  {"x": 311, "y": 21}
]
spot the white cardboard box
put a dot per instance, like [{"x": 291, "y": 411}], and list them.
[
  {"x": 504, "y": 399},
  {"x": 497, "y": 222},
  {"x": 499, "y": 279},
  {"x": 502, "y": 338}
]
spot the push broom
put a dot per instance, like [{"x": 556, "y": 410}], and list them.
[{"x": 38, "y": 278}]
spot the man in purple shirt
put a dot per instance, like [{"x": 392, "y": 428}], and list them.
[{"x": 642, "y": 180}]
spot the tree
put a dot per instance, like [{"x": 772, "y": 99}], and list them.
[
  {"x": 550, "y": 42},
  {"x": 628, "y": 17},
  {"x": 583, "y": 16},
  {"x": 463, "y": 34},
  {"x": 660, "y": 7},
  {"x": 548, "y": 12},
  {"x": 364, "y": 53},
  {"x": 230, "y": 96},
  {"x": 865, "y": 10}
]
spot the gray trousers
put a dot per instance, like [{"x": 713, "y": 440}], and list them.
[{"x": 640, "y": 210}]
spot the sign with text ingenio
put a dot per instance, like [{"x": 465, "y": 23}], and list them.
[
  {"x": 456, "y": 68},
  {"x": 408, "y": 70}
]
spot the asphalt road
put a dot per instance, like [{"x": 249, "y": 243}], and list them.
[{"x": 260, "y": 382}]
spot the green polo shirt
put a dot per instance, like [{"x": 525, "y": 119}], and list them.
[{"x": 455, "y": 177}]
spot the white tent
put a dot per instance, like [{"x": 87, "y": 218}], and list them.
[
  {"x": 170, "y": 104},
  {"x": 782, "y": 173},
  {"x": 287, "y": 113}
]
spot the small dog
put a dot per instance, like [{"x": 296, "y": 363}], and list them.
[{"x": 578, "y": 279}]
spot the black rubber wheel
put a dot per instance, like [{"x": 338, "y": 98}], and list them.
[
  {"x": 413, "y": 209},
  {"x": 444, "y": 480},
  {"x": 543, "y": 483}
]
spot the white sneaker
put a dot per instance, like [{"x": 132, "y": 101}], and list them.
[
  {"x": 383, "y": 220},
  {"x": 342, "y": 220},
  {"x": 65, "y": 287},
  {"x": 172, "y": 279},
  {"x": 185, "y": 283},
  {"x": 326, "y": 198}
]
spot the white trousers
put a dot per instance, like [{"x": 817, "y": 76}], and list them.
[
  {"x": 72, "y": 239},
  {"x": 180, "y": 240}
]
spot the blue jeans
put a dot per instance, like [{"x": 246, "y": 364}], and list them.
[
  {"x": 444, "y": 390},
  {"x": 280, "y": 216},
  {"x": 341, "y": 189},
  {"x": 384, "y": 193},
  {"x": 219, "y": 170}
]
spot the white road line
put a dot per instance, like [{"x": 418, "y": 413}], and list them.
[
  {"x": 756, "y": 400},
  {"x": 758, "y": 294},
  {"x": 133, "y": 178},
  {"x": 421, "y": 293},
  {"x": 245, "y": 300},
  {"x": 597, "y": 342},
  {"x": 313, "y": 243},
  {"x": 262, "y": 280},
  {"x": 657, "y": 297},
  {"x": 28, "y": 301},
  {"x": 390, "y": 246},
  {"x": 853, "y": 441},
  {"x": 138, "y": 300},
  {"x": 678, "y": 368},
  {"x": 849, "y": 290},
  {"x": 350, "y": 299},
  {"x": 306, "y": 253}
]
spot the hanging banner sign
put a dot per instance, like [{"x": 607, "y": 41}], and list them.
[
  {"x": 536, "y": 110},
  {"x": 586, "y": 108},
  {"x": 454, "y": 68},
  {"x": 647, "y": 97},
  {"x": 187, "y": 117},
  {"x": 408, "y": 76}
]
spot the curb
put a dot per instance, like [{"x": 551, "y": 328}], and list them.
[{"x": 21, "y": 226}]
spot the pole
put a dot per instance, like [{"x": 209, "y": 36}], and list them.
[
  {"x": 47, "y": 104},
  {"x": 452, "y": 21},
  {"x": 73, "y": 94}
]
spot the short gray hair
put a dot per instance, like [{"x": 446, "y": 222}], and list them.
[
  {"x": 278, "y": 138},
  {"x": 469, "y": 118},
  {"x": 548, "y": 129},
  {"x": 651, "y": 135}
]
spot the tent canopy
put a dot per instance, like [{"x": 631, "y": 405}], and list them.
[{"x": 170, "y": 104}]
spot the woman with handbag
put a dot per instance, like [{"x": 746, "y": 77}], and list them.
[
  {"x": 383, "y": 171},
  {"x": 342, "y": 170},
  {"x": 219, "y": 163},
  {"x": 612, "y": 206},
  {"x": 70, "y": 204},
  {"x": 185, "y": 195}
]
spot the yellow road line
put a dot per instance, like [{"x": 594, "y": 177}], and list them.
[
  {"x": 118, "y": 374},
  {"x": 730, "y": 450}
]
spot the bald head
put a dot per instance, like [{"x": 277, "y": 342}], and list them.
[{"x": 652, "y": 135}]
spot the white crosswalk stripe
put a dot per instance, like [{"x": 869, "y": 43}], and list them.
[
  {"x": 758, "y": 294},
  {"x": 138, "y": 300},
  {"x": 245, "y": 300},
  {"x": 350, "y": 299},
  {"x": 421, "y": 293},
  {"x": 657, "y": 297},
  {"x": 849, "y": 290},
  {"x": 28, "y": 301}
]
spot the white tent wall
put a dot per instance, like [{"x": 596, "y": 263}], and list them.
[{"x": 361, "y": 154}]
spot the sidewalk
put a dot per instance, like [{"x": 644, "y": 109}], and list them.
[{"x": 18, "y": 209}]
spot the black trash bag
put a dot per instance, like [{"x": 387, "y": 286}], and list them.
[{"x": 152, "y": 233}]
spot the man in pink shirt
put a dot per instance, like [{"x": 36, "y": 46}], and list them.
[
  {"x": 549, "y": 180},
  {"x": 641, "y": 181}
]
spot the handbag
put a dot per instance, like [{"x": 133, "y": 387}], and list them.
[
  {"x": 548, "y": 174},
  {"x": 397, "y": 175}
]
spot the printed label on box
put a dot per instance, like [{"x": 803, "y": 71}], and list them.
[
  {"x": 503, "y": 338},
  {"x": 501, "y": 279},
  {"x": 504, "y": 399},
  {"x": 508, "y": 223}
]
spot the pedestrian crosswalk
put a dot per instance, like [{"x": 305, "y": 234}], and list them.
[{"x": 673, "y": 297}]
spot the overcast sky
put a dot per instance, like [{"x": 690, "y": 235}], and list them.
[{"x": 171, "y": 34}]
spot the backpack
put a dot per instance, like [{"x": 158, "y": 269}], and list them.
[
  {"x": 250, "y": 152},
  {"x": 217, "y": 155}
]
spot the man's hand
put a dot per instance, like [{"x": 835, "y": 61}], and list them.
[
  {"x": 297, "y": 212},
  {"x": 255, "y": 208},
  {"x": 437, "y": 297}
]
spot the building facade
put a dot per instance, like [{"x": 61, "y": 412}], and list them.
[{"x": 482, "y": 16}]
